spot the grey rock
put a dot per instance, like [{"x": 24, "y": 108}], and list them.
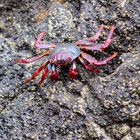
[{"x": 93, "y": 106}]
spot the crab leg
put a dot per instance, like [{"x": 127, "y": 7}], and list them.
[
  {"x": 108, "y": 41},
  {"x": 36, "y": 72},
  {"x": 88, "y": 41},
  {"x": 87, "y": 66},
  {"x": 72, "y": 72},
  {"x": 29, "y": 60},
  {"x": 43, "y": 75},
  {"x": 95, "y": 62},
  {"x": 99, "y": 47},
  {"x": 96, "y": 36},
  {"x": 54, "y": 75},
  {"x": 42, "y": 46}
]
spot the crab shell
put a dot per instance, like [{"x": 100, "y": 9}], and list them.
[{"x": 63, "y": 54}]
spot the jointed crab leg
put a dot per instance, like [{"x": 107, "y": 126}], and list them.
[
  {"x": 96, "y": 36},
  {"x": 42, "y": 46},
  {"x": 108, "y": 41},
  {"x": 88, "y": 41},
  {"x": 95, "y": 62},
  {"x": 72, "y": 72},
  {"x": 43, "y": 75},
  {"x": 54, "y": 75},
  {"x": 29, "y": 60},
  {"x": 87, "y": 66},
  {"x": 99, "y": 47},
  {"x": 36, "y": 73}
]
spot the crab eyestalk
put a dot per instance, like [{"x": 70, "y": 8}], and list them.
[
  {"x": 54, "y": 75},
  {"x": 72, "y": 72}
]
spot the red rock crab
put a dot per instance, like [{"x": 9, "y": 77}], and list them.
[{"x": 63, "y": 54}]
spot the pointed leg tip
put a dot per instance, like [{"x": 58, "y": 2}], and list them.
[
  {"x": 40, "y": 83},
  {"x": 98, "y": 71},
  {"x": 112, "y": 27},
  {"x": 114, "y": 55},
  {"x": 42, "y": 33},
  {"x": 26, "y": 81},
  {"x": 17, "y": 61},
  {"x": 95, "y": 70}
]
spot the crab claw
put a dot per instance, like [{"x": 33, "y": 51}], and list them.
[
  {"x": 54, "y": 75},
  {"x": 72, "y": 72}
]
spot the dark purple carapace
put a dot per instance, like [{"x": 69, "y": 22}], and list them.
[
  {"x": 64, "y": 54},
  {"x": 68, "y": 53}
]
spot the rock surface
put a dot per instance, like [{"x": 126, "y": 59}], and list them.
[{"x": 103, "y": 106}]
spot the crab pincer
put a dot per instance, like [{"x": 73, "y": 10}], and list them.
[{"x": 72, "y": 72}]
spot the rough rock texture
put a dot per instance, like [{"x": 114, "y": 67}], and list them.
[{"x": 103, "y": 106}]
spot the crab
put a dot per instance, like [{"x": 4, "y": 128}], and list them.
[{"x": 67, "y": 54}]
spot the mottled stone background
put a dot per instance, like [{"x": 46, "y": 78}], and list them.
[{"x": 103, "y": 106}]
